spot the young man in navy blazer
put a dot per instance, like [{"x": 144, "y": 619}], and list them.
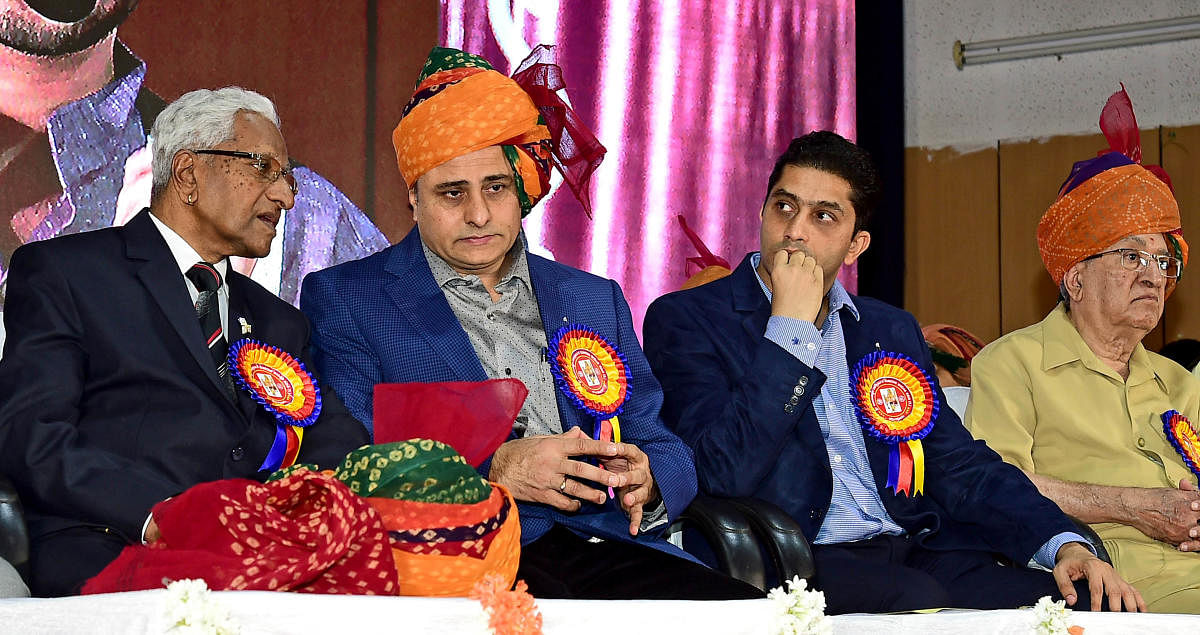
[{"x": 790, "y": 389}]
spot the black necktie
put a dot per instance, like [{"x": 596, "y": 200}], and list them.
[{"x": 208, "y": 310}]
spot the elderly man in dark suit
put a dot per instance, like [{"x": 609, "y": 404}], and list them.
[
  {"x": 790, "y": 389},
  {"x": 116, "y": 390}
]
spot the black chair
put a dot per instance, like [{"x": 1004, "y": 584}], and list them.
[
  {"x": 734, "y": 543},
  {"x": 14, "y": 537},
  {"x": 791, "y": 553}
]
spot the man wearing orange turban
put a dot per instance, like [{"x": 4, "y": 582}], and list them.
[
  {"x": 1101, "y": 425},
  {"x": 595, "y": 474}
]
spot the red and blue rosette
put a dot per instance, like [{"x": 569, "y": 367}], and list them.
[
  {"x": 593, "y": 374},
  {"x": 896, "y": 404},
  {"x": 284, "y": 387},
  {"x": 1182, "y": 434}
]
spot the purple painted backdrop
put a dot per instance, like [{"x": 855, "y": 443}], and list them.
[{"x": 694, "y": 99}]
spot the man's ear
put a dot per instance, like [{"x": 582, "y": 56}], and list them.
[
  {"x": 1073, "y": 281},
  {"x": 858, "y": 244},
  {"x": 412, "y": 198},
  {"x": 183, "y": 173}
]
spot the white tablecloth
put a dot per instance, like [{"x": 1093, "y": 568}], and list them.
[{"x": 264, "y": 612}]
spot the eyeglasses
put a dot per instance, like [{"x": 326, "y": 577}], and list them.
[
  {"x": 1138, "y": 260},
  {"x": 269, "y": 169}
]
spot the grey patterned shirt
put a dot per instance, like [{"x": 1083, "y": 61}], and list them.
[
  {"x": 510, "y": 341},
  {"x": 508, "y": 336}
]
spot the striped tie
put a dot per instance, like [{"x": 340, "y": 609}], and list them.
[{"x": 208, "y": 281}]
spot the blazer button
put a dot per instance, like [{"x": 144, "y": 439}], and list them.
[
  {"x": 794, "y": 400},
  {"x": 238, "y": 453},
  {"x": 803, "y": 381},
  {"x": 798, "y": 390},
  {"x": 789, "y": 408},
  {"x": 1141, "y": 442}
]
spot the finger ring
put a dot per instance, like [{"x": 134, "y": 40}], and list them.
[{"x": 563, "y": 487}]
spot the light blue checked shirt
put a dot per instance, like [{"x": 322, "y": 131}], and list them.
[{"x": 855, "y": 511}]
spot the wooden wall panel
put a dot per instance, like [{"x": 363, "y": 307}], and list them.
[
  {"x": 1030, "y": 174},
  {"x": 952, "y": 250},
  {"x": 1181, "y": 158}
]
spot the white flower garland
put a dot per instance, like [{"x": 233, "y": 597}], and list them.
[
  {"x": 192, "y": 610},
  {"x": 799, "y": 611},
  {"x": 1050, "y": 617}
]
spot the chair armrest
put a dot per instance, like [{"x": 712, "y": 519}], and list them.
[
  {"x": 782, "y": 538},
  {"x": 14, "y": 537},
  {"x": 1085, "y": 530},
  {"x": 734, "y": 543}
]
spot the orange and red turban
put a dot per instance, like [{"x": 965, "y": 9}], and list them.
[
  {"x": 1109, "y": 198},
  {"x": 461, "y": 105}
]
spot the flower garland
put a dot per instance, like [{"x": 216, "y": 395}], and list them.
[
  {"x": 191, "y": 609},
  {"x": 508, "y": 612},
  {"x": 1050, "y": 618},
  {"x": 799, "y": 611}
]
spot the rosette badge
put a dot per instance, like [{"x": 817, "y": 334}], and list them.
[
  {"x": 1183, "y": 436},
  {"x": 593, "y": 374},
  {"x": 896, "y": 404},
  {"x": 284, "y": 387}
]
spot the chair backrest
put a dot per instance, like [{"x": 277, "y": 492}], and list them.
[{"x": 14, "y": 537}]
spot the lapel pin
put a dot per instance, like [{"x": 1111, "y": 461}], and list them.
[{"x": 246, "y": 328}]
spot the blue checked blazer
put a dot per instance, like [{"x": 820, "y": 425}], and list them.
[
  {"x": 383, "y": 319},
  {"x": 729, "y": 395}
]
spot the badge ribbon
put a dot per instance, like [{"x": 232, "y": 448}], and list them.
[
  {"x": 284, "y": 387},
  {"x": 895, "y": 403},
  {"x": 1182, "y": 434},
  {"x": 594, "y": 375}
]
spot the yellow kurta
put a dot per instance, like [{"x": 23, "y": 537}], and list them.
[{"x": 1043, "y": 400}]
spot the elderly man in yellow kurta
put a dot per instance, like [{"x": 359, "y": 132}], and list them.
[{"x": 1101, "y": 425}]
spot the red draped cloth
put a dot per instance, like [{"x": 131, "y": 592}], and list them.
[{"x": 306, "y": 532}]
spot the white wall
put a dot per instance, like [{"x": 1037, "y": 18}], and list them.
[{"x": 1042, "y": 96}]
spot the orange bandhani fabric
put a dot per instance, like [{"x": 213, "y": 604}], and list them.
[
  {"x": 305, "y": 532},
  {"x": 430, "y": 564},
  {"x": 1121, "y": 201},
  {"x": 1109, "y": 198},
  {"x": 462, "y": 105},
  {"x": 475, "y": 112}
]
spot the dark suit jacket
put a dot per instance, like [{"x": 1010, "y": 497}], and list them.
[
  {"x": 726, "y": 386},
  {"x": 384, "y": 319},
  {"x": 109, "y": 399}
]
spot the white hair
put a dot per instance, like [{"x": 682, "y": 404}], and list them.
[{"x": 200, "y": 120}]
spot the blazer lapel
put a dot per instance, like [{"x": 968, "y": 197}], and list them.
[
  {"x": 749, "y": 299},
  {"x": 860, "y": 342},
  {"x": 557, "y": 311},
  {"x": 160, "y": 275},
  {"x": 239, "y": 308},
  {"x": 423, "y": 304}
]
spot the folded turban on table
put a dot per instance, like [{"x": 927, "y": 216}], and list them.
[
  {"x": 1109, "y": 198},
  {"x": 406, "y": 518},
  {"x": 461, "y": 105}
]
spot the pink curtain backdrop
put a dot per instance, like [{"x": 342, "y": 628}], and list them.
[{"x": 694, "y": 100}]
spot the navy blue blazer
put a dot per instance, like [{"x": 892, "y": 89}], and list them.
[
  {"x": 383, "y": 319},
  {"x": 110, "y": 401},
  {"x": 726, "y": 386}
]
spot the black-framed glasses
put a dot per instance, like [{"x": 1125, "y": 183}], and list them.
[
  {"x": 1137, "y": 260},
  {"x": 269, "y": 169}
]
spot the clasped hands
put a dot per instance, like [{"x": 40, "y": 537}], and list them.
[
  {"x": 549, "y": 469},
  {"x": 1170, "y": 515}
]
